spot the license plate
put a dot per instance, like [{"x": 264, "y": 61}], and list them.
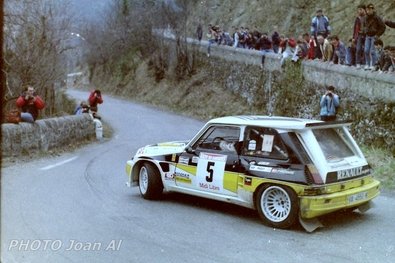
[{"x": 357, "y": 197}]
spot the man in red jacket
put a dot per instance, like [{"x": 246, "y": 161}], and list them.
[
  {"x": 94, "y": 99},
  {"x": 30, "y": 103}
]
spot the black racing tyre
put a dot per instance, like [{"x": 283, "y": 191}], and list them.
[
  {"x": 278, "y": 206},
  {"x": 150, "y": 182}
]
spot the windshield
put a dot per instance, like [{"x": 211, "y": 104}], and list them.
[{"x": 334, "y": 143}]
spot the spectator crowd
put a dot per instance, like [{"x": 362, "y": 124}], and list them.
[{"x": 364, "y": 49}]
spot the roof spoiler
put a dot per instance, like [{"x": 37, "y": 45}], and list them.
[{"x": 328, "y": 124}]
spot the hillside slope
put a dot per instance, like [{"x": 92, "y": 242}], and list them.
[{"x": 291, "y": 17}]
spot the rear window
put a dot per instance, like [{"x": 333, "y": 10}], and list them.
[{"x": 334, "y": 143}]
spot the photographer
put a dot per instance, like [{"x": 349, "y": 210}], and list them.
[
  {"x": 30, "y": 103},
  {"x": 329, "y": 104},
  {"x": 82, "y": 108},
  {"x": 95, "y": 98}
]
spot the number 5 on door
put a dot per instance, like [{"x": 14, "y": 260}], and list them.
[{"x": 210, "y": 172}]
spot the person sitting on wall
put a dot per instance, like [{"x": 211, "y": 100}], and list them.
[
  {"x": 29, "y": 103},
  {"x": 82, "y": 108}
]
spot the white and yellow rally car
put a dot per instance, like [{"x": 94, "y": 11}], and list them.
[{"x": 285, "y": 168}]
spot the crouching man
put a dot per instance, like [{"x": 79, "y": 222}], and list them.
[{"x": 29, "y": 103}]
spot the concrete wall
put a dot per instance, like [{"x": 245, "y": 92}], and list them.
[
  {"x": 366, "y": 83},
  {"x": 43, "y": 135}
]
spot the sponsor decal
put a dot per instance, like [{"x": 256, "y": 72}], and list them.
[
  {"x": 169, "y": 176},
  {"x": 195, "y": 159},
  {"x": 282, "y": 171},
  {"x": 263, "y": 163},
  {"x": 247, "y": 180},
  {"x": 213, "y": 157},
  {"x": 183, "y": 160},
  {"x": 183, "y": 178},
  {"x": 260, "y": 168},
  {"x": 182, "y": 175},
  {"x": 358, "y": 171},
  {"x": 209, "y": 186},
  {"x": 173, "y": 157}
]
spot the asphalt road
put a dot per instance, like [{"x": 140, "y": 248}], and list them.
[{"x": 76, "y": 208}]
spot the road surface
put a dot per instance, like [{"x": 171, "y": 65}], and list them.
[{"x": 76, "y": 208}]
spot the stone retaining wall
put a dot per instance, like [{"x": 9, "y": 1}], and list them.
[
  {"x": 372, "y": 84},
  {"x": 46, "y": 134}
]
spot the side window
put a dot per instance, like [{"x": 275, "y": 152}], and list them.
[
  {"x": 265, "y": 143},
  {"x": 219, "y": 138}
]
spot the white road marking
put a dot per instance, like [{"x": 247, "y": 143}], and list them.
[{"x": 58, "y": 164}]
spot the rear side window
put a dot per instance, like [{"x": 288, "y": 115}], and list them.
[
  {"x": 265, "y": 143},
  {"x": 334, "y": 144}
]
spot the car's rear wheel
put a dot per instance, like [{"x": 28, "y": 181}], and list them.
[
  {"x": 150, "y": 183},
  {"x": 277, "y": 205}
]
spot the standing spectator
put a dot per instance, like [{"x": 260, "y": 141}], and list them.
[
  {"x": 375, "y": 27},
  {"x": 199, "y": 32},
  {"x": 227, "y": 38},
  {"x": 276, "y": 41},
  {"x": 249, "y": 40},
  {"x": 350, "y": 53},
  {"x": 290, "y": 47},
  {"x": 329, "y": 103},
  {"x": 325, "y": 51},
  {"x": 242, "y": 38},
  {"x": 359, "y": 35},
  {"x": 265, "y": 46},
  {"x": 283, "y": 44},
  {"x": 219, "y": 36},
  {"x": 236, "y": 35},
  {"x": 303, "y": 46},
  {"x": 94, "y": 99},
  {"x": 212, "y": 38},
  {"x": 311, "y": 44},
  {"x": 30, "y": 103},
  {"x": 339, "y": 50},
  {"x": 301, "y": 50},
  {"x": 256, "y": 35},
  {"x": 320, "y": 25}
]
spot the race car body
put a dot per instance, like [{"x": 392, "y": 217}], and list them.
[{"x": 285, "y": 168}]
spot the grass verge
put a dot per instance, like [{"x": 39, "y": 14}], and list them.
[{"x": 383, "y": 164}]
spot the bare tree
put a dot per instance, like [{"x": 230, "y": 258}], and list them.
[
  {"x": 36, "y": 34},
  {"x": 173, "y": 15},
  {"x": 125, "y": 32},
  {"x": 129, "y": 32}
]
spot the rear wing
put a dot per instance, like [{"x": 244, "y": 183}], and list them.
[{"x": 328, "y": 124}]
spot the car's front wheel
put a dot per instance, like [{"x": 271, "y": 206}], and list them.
[
  {"x": 277, "y": 205},
  {"x": 150, "y": 182}
]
